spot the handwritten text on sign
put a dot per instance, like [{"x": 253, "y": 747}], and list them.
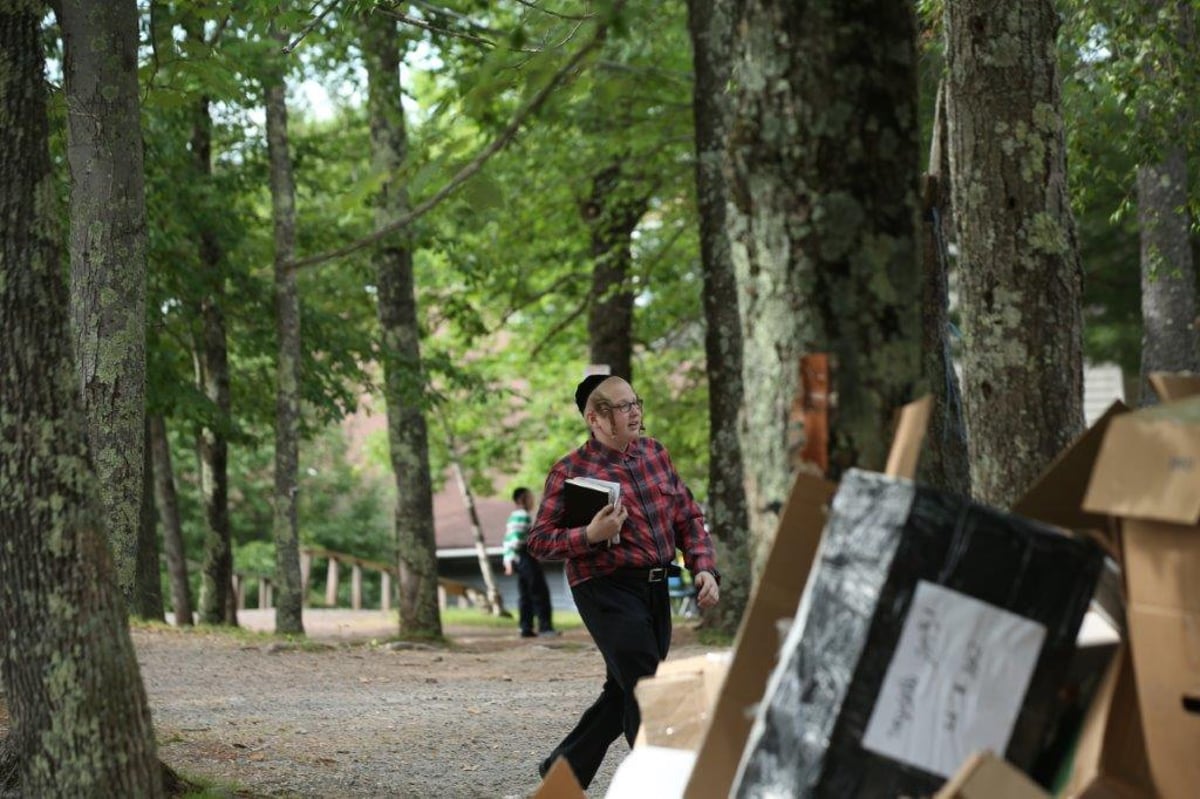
[{"x": 955, "y": 683}]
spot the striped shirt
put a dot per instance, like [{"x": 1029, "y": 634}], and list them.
[
  {"x": 515, "y": 533},
  {"x": 662, "y": 514}
]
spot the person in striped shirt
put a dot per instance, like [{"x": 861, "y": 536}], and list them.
[
  {"x": 621, "y": 590},
  {"x": 533, "y": 595}
]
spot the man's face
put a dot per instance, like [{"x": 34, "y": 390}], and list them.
[{"x": 617, "y": 416}]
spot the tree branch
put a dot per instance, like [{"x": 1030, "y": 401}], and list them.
[
  {"x": 475, "y": 165},
  {"x": 309, "y": 28},
  {"x": 562, "y": 324},
  {"x": 536, "y": 7}
]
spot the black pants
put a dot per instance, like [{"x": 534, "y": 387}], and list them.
[
  {"x": 630, "y": 621},
  {"x": 533, "y": 595}
]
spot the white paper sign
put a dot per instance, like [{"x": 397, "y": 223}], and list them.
[{"x": 956, "y": 681}]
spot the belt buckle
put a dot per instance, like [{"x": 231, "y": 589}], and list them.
[{"x": 657, "y": 574}]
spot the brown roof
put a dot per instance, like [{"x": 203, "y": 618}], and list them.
[{"x": 452, "y": 525}]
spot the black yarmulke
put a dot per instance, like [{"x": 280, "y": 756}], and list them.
[{"x": 585, "y": 389}]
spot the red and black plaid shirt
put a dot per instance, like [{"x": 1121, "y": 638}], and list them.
[{"x": 662, "y": 514}]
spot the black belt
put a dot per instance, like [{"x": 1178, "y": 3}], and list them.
[{"x": 655, "y": 574}]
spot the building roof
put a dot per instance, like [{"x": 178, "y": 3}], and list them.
[{"x": 452, "y": 523}]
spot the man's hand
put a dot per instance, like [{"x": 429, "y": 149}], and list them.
[
  {"x": 508, "y": 567},
  {"x": 606, "y": 523},
  {"x": 708, "y": 593}
]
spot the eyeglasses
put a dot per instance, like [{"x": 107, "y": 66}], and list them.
[{"x": 628, "y": 406}]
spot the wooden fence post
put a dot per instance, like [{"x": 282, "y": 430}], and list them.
[
  {"x": 305, "y": 567},
  {"x": 356, "y": 587},
  {"x": 385, "y": 591},
  {"x": 331, "y": 583}
]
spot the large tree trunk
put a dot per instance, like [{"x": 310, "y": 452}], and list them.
[
  {"x": 944, "y": 463},
  {"x": 710, "y": 23},
  {"x": 1170, "y": 342},
  {"x": 612, "y": 212},
  {"x": 168, "y": 513},
  {"x": 80, "y": 722},
  {"x": 824, "y": 155},
  {"x": 108, "y": 262},
  {"x": 400, "y": 350},
  {"x": 289, "y": 598},
  {"x": 1020, "y": 277}
]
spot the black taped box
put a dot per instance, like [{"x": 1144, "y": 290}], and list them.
[{"x": 930, "y": 627}]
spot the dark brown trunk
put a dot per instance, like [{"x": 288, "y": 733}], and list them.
[
  {"x": 612, "y": 212},
  {"x": 168, "y": 513},
  {"x": 711, "y": 27}
]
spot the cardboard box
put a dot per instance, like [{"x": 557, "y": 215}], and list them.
[
  {"x": 677, "y": 701},
  {"x": 560, "y": 783},
  {"x": 1110, "y": 756},
  {"x": 986, "y": 776},
  {"x": 931, "y": 628},
  {"x": 776, "y": 596},
  {"x": 1147, "y": 474}
]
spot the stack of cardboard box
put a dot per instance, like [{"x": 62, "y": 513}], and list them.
[{"x": 1132, "y": 484}]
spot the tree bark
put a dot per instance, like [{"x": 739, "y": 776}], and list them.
[
  {"x": 1020, "y": 274},
  {"x": 108, "y": 261},
  {"x": 289, "y": 599},
  {"x": 612, "y": 212},
  {"x": 168, "y": 513},
  {"x": 710, "y": 24},
  {"x": 80, "y": 721},
  {"x": 400, "y": 350},
  {"x": 824, "y": 225},
  {"x": 1170, "y": 342}
]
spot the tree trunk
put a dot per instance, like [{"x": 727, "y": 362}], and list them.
[
  {"x": 108, "y": 260},
  {"x": 1020, "y": 275},
  {"x": 289, "y": 599},
  {"x": 400, "y": 350},
  {"x": 80, "y": 721},
  {"x": 944, "y": 463},
  {"x": 168, "y": 513},
  {"x": 711, "y": 27},
  {"x": 824, "y": 226},
  {"x": 218, "y": 605},
  {"x": 495, "y": 602},
  {"x": 1169, "y": 339},
  {"x": 612, "y": 213},
  {"x": 148, "y": 598}
]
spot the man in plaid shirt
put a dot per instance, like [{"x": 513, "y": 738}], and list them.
[{"x": 621, "y": 590}]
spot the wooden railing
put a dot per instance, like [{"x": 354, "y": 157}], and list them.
[{"x": 465, "y": 595}]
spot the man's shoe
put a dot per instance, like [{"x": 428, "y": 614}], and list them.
[
  {"x": 549, "y": 633},
  {"x": 528, "y": 634}
]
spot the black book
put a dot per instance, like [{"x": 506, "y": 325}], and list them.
[{"x": 584, "y": 497}]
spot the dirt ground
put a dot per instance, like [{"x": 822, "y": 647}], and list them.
[{"x": 358, "y": 718}]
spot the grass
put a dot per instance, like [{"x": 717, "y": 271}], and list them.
[{"x": 473, "y": 617}]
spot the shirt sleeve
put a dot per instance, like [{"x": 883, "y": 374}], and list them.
[
  {"x": 547, "y": 541},
  {"x": 691, "y": 533}
]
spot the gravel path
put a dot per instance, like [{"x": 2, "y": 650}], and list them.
[{"x": 359, "y": 719}]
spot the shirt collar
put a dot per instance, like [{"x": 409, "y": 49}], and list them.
[{"x": 595, "y": 447}]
